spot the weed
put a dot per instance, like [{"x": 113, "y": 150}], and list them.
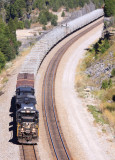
[{"x": 96, "y": 114}]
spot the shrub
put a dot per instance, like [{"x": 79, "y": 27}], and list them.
[
  {"x": 96, "y": 114},
  {"x": 44, "y": 27},
  {"x": 27, "y": 24},
  {"x": 110, "y": 83},
  {"x": 42, "y": 18},
  {"x": 2, "y": 60},
  {"x": 105, "y": 84},
  {"x": 20, "y": 25},
  {"x": 113, "y": 72},
  {"x": 54, "y": 20},
  {"x": 63, "y": 14}
]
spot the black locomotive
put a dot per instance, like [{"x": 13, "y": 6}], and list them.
[{"x": 27, "y": 117}]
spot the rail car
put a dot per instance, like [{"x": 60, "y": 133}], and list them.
[{"x": 27, "y": 116}]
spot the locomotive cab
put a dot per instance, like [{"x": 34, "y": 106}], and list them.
[
  {"x": 24, "y": 95},
  {"x": 27, "y": 124},
  {"x": 25, "y": 91}
]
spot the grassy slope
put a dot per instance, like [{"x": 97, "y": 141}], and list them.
[{"x": 105, "y": 111}]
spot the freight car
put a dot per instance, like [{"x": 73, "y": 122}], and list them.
[
  {"x": 44, "y": 45},
  {"x": 27, "y": 117}
]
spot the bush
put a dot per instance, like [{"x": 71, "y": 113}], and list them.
[
  {"x": 2, "y": 61},
  {"x": 27, "y": 24},
  {"x": 54, "y": 20},
  {"x": 20, "y": 25},
  {"x": 105, "y": 84},
  {"x": 110, "y": 83},
  {"x": 42, "y": 18},
  {"x": 63, "y": 14},
  {"x": 113, "y": 72},
  {"x": 44, "y": 27}
]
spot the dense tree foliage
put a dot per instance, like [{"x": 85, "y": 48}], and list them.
[
  {"x": 15, "y": 9},
  {"x": 109, "y": 8},
  {"x": 15, "y": 14},
  {"x": 8, "y": 42},
  {"x": 46, "y": 16}
]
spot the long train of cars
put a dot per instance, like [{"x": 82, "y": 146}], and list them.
[{"x": 27, "y": 116}]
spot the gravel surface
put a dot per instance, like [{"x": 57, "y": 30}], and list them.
[
  {"x": 84, "y": 140},
  {"x": 9, "y": 150}
]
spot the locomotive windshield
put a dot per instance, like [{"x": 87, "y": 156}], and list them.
[{"x": 25, "y": 91}]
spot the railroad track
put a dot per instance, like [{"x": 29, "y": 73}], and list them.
[
  {"x": 28, "y": 152},
  {"x": 58, "y": 142}
]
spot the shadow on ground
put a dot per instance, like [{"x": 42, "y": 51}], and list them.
[{"x": 12, "y": 125}]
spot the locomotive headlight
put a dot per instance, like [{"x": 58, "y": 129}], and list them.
[
  {"x": 22, "y": 129},
  {"x": 27, "y": 111},
  {"x": 33, "y": 130}
]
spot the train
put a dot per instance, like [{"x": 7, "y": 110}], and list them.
[
  {"x": 27, "y": 116},
  {"x": 49, "y": 40}
]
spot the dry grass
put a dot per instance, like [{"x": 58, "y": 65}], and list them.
[
  {"x": 107, "y": 105},
  {"x": 109, "y": 117},
  {"x": 80, "y": 79}
]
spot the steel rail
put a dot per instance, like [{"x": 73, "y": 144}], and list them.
[
  {"x": 29, "y": 152},
  {"x": 49, "y": 87}
]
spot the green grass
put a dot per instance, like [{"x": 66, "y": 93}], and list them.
[{"x": 96, "y": 114}]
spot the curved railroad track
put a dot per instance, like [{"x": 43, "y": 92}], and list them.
[
  {"x": 28, "y": 152},
  {"x": 58, "y": 142}
]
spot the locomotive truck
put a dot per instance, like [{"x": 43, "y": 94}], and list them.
[{"x": 27, "y": 116}]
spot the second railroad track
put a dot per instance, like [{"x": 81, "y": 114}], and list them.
[{"x": 58, "y": 142}]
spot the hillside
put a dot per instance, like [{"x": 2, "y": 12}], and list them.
[
  {"x": 95, "y": 80},
  {"x": 20, "y": 14}
]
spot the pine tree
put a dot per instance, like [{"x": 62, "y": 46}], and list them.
[{"x": 109, "y": 8}]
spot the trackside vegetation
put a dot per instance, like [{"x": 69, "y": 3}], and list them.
[
  {"x": 16, "y": 14},
  {"x": 8, "y": 42},
  {"x": 101, "y": 83}
]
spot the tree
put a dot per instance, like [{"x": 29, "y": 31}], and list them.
[
  {"x": 42, "y": 18},
  {"x": 2, "y": 60},
  {"x": 54, "y": 20},
  {"x": 63, "y": 14},
  {"x": 109, "y": 8}
]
